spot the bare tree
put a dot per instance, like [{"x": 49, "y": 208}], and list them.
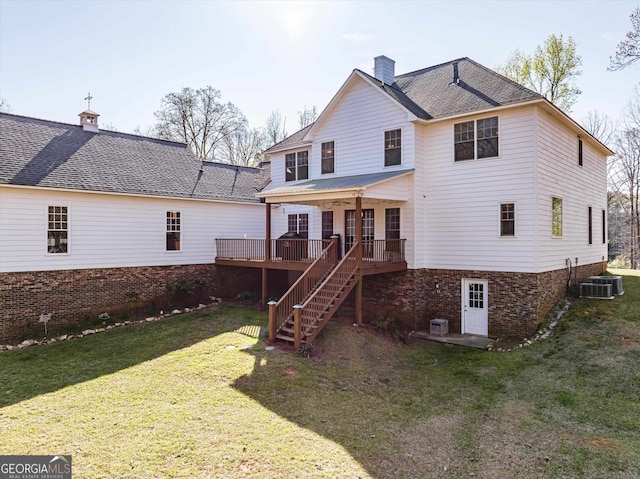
[
  {"x": 600, "y": 126},
  {"x": 550, "y": 71},
  {"x": 199, "y": 118},
  {"x": 628, "y": 50},
  {"x": 275, "y": 128},
  {"x": 307, "y": 116},
  {"x": 243, "y": 147},
  {"x": 625, "y": 172},
  {"x": 4, "y": 106}
]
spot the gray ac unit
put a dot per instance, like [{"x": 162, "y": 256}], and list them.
[
  {"x": 594, "y": 290},
  {"x": 614, "y": 281}
]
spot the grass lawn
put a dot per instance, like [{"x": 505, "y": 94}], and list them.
[{"x": 199, "y": 396}]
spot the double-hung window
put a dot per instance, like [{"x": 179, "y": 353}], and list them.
[
  {"x": 173, "y": 231},
  {"x": 297, "y": 166},
  {"x": 327, "y": 224},
  {"x": 328, "y": 157},
  {"x": 476, "y": 139},
  {"x": 393, "y": 147},
  {"x": 57, "y": 229},
  {"x": 507, "y": 219}
]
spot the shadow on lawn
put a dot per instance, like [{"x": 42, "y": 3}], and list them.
[
  {"x": 381, "y": 410},
  {"x": 37, "y": 370}
]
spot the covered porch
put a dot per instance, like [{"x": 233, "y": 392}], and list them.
[{"x": 350, "y": 245}]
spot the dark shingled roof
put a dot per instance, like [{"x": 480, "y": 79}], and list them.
[
  {"x": 479, "y": 88},
  {"x": 291, "y": 141},
  {"x": 430, "y": 93},
  {"x": 49, "y": 154}
]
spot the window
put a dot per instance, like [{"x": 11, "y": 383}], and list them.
[
  {"x": 296, "y": 166},
  {"x": 328, "y": 156},
  {"x": 299, "y": 223},
  {"x": 579, "y": 151},
  {"x": 58, "y": 229},
  {"x": 604, "y": 226},
  {"x": 173, "y": 231},
  {"x": 507, "y": 219},
  {"x": 327, "y": 224},
  {"x": 392, "y": 147},
  {"x": 556, "y": 216},
  {"x": 476, "y": 139},
  {"x": 392, "y": 223},
  {"x": 590, "y": 226}
]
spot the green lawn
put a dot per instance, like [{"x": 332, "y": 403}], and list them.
[{"x": 198, "y": 396}]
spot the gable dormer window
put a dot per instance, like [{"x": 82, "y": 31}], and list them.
[
  {"x": 393, "y": 147},
  {"x": 328, "y": 157},
  {"x": 476, "y": 139},
  {"x": 296, "y": 166}
]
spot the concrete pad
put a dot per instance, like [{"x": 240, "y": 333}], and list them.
[{"x": 468, "y": 340}]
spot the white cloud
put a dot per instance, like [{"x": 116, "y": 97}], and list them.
[{"x": 358, "y": 37}]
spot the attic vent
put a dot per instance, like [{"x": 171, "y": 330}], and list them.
[{"x": 593, "y": 290}]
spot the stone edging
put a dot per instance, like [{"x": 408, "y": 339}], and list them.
[{"x": 87, "y": 332}]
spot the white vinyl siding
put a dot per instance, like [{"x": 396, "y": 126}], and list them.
[
  {"x": 138, "y": 240},
  {"x": 459, "y": 199},
  {"x": 579, "y": 187}
]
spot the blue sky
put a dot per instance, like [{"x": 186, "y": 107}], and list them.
[{"x": 266, "y": 56}]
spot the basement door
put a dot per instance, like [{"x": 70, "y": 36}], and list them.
[{"x": 475, "y": 311}]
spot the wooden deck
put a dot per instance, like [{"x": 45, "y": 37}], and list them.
[{"x": 378, "y": 256}]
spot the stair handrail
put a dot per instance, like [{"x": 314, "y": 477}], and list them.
[
  {"x": 296, "y": 294},
  {"x": 329, "y": 289}
]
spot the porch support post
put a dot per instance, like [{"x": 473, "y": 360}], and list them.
[
  {"x": 272, "y": 321},
  {"x": 265, "y": 286},
  {"x": 359, "y": 259},
  {"x": 267, "y": 234},
  {"x": 297, "y": 327},
  {"x": 267, "y": 254}
]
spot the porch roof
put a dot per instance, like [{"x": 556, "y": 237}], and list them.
[{"x": 340, "y": 188}]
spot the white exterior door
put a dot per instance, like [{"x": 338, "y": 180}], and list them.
[{"x": 475, "y": 311}]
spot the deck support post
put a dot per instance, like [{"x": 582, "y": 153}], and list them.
[
  {"x": 272, "y": 321},
  {"x": 297, "y": 327},
  {"x": 267, "y": 254},
  {"x": 359, "y": 260}
]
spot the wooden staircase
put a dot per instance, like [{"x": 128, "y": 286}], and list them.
[{"x": 306, "y": 317}]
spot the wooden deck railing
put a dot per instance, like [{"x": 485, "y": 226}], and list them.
[
  {"x": 284, "y": 249},
  {"x": 305, "y": 251},
  {"x": 281, "y": 311},
  {"x": 383, "y": 251}
]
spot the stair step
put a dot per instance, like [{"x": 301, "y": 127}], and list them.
[{"x": 284, "y": 338}]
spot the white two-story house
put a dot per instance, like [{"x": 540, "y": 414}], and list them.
[{"x": 480, "y": 201}]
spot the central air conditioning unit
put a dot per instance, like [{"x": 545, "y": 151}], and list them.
[
  {"x": 594, "y": 290},
  {"x": 614, "y": 281}
]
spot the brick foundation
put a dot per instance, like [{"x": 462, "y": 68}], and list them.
[
  {"x": 77, "y": 296},
  {"x": 518, "y": 302}
]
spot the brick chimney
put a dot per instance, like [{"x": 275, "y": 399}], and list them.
[
  {"x": 89, "y": 121},
  {"x": 384, "y": 69}
]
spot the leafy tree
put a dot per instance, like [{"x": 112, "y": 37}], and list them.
[
  {"x": 550, "y": 71},
  {"x": 307, "y": 116},
  {"x": 628, "y": 50},
  {"x": 199, "y": 118}
]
